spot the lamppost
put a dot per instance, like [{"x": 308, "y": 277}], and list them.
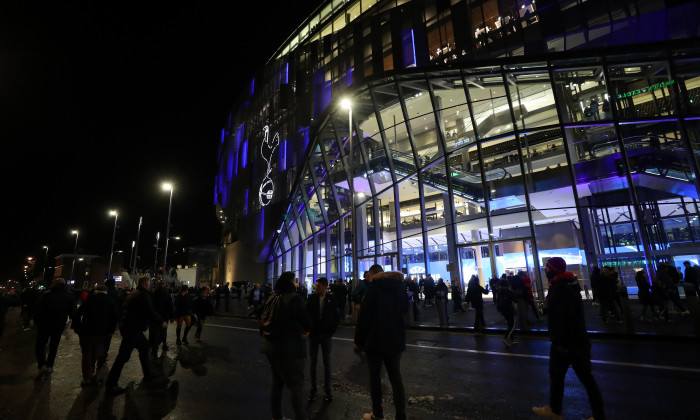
[
  {"x": 167, "y": 186},
  {"x": 136, "y": 249},
  {"x": 351, "y": 183},
  {"x": 46, "y": 257},
  {"x": 111, "y": 248},
  {"x": 75, "y": 251},
  {"x": 155, "y": 258}
]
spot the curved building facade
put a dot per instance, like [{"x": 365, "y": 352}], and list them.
[{"x": 468, "y": 137}]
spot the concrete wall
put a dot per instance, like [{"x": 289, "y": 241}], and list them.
[{"x": 239, "y": 265}]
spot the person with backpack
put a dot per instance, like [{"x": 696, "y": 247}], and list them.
[
  {"x": 325, "y": 317},
  {"x": 284, "y": 327},
  {"x": 505, "y": 304},
  {"x": 570, "y": 343}
]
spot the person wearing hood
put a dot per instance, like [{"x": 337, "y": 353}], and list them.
[
  {"x": 570, "y": 343},
  {"x": 53, "y": 308},
  {"x": 381, "y": 334}
]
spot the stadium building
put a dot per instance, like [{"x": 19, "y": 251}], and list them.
[{"x": 467, "y": 137}]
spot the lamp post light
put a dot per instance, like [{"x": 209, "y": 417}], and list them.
[
  {"x": 166, "y": 187},
  {"x": 345, "y": 103},
  {"x": 46, "y": 257},
  {"x": 111, "y": 248},
  {"x": 75, "y": 251}
]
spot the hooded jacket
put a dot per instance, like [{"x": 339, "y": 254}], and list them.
[
  {"x": 380, "y": 325},
  {"x": 567, "y": 327}
]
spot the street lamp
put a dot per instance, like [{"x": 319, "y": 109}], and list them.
[
  {"x": 46, "y": 257},
  {"x": 75, "y": 251},
  {"x": 167, "y": 186},
  {"x": 111, "y": 248},
  {"x": 136, "y": 248},
  {"x": 155, "y": 258},
  {"x": 347, "y": 104}
]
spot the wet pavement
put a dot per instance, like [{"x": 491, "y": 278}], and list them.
[{"x": 449, "y": 373}]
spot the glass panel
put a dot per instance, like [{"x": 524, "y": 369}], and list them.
[
  {"x": 688, "y": 74},
  {"x": 693, "y": 128},
  {"x": 321, "y": 253},
  {"x": 411, "y": 225},
  {"x": 438, "y": 256},
  {"x": 489, "y": 104},
  {"x": 422, "y": 119},
  {"x": 582, "y": 94},
  {"x": 339, "y": 177},
  {"x": 327, "y": 138},
  {"x": 504, "y": 180},
  {"x": 395, "y": 131},
  {"x": 387, "y": 220},
  {"x": 436, "y": 197},
  {"x": 641, "y": 90},
  {"x": 335, "y": 253},
  {"x": 533, "y": 99},
  {"x": 309, "y": 260},
  {"x": 475, "y": 260},
  {"x": 514, "y": 257},
  {"x": 367, "y": 229},
  {"x": 452, "y": 111}
]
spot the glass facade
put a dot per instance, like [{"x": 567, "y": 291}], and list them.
[{"x": 459, "y": 155}]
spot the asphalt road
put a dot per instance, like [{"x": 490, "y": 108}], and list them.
[{"x": 447, "y": 375}]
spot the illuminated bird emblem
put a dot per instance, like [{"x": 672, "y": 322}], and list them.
[{"x": 267, "y": 149}]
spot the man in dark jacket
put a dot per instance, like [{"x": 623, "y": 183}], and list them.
[
  {"x": 340, "y": 292},
  {"x": 163, "y": 304},
  {"x": 324, "y": 314},
  {"x": 52, "y": 310},
  {"x": 570, "y": 343},
  {"x": 137, "y": 314},
  {"x": 94, "y": 320},
  {"x": 117, "y": 300},
  {"x": 28, "y": 297},
  {"x": 286, "y": 353},
  {"x": 381, "y": 333}
]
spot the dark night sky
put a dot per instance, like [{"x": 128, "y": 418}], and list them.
[{"x": 100, "y": 104}]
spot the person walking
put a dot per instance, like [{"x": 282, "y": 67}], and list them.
[
  {"x": 53, "y": 308},
  {"x": 475, "y": 292},
  {"x": 183, "y": 314},
  {"x": 255, "y": 300},
  {"x": 644, "y": 294},
  {"x": 380, "y": 333},
  {"x": 570, "y": 343},
  {"x": 441, "y": 302},
  {"x": 117, "y": 300},
  {"x": 506, "y": 306},
  {"x": 163, "y": 304},
  {"x": 340, "y": 292},
  {"x": 94, "y": 320},
  {"x": 138, "y": 313},
  {"x": 28, "y": 297},
  {"x": 203, "y": 309},
  {"x": 692, "y": 276},
  {"x": 456, "y": 295},
  {"x": 325, "y": 317},
  {"x": 286, "y": 350}
]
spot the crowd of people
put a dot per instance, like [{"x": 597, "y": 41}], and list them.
[{"x": 379, "y": 304}]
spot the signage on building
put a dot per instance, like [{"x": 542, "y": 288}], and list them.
[
  {"x": 646, "y": 89},
  {"x": 267, "y": 150}
]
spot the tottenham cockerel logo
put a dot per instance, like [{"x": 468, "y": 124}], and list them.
[{"x": 267, "y": 188}]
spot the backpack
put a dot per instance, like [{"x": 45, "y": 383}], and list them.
[
  {"x": 504, "y": 302},
  {"x": 272, "y": 321}
]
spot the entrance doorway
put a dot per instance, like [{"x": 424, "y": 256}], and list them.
[{"x": 507, "y": 258}]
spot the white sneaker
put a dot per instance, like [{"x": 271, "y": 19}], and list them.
[{"x": 546, "y": 413}]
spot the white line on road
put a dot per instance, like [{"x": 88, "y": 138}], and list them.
[{"x": 498, "y": 353}]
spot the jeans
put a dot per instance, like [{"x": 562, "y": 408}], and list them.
[
  {"x": 392, "y": 363},
  {"x": 580, "y": 360},
  {"x": 130, "y": 341},
  {"x": 326, "y": 347},
  {"x": 287, "y": 372},
  {"x": 53, "y": 338}
]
